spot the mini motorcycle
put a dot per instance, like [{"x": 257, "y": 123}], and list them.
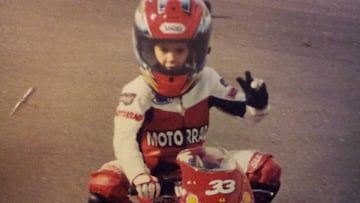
[{"x": 207, "y": 175}]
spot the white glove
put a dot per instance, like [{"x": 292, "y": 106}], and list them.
[{"x": 147, "y": 186}]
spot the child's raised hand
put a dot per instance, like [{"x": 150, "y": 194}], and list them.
[{"x": 255, "y": 91}]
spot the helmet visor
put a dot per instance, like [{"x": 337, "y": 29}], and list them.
[{"x": 198, "y": 49}]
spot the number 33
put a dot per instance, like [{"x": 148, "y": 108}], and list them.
[{"x": 221, "y": 186}]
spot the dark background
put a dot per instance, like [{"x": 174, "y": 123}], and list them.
[{"x": 78, "y": 55}]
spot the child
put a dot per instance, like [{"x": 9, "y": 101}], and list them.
[{"x": 166, "y": 109}]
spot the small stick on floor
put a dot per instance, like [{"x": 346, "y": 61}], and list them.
[{"x": 22, "y": 100}]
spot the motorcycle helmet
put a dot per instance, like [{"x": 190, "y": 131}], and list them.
[{"x": 159, "y": 21}]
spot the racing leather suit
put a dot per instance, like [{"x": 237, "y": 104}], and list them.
[{"x": 150, "y": 128}]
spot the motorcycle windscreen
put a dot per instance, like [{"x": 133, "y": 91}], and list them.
[
  {"x": 207, "y": 159},
  {"x": 210, "y": 175}
]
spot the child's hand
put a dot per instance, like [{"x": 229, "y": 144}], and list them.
[
  {"x": 255, "y": 91},
  {"x": 147, "y": 186}
]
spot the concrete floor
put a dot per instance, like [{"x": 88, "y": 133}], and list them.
[{"x": 78, "y": 55}]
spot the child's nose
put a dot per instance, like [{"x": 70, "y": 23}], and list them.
[{"x": 171, "y": 56}]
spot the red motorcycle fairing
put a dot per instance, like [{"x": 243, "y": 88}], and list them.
[{"x": 210, "y": 175}]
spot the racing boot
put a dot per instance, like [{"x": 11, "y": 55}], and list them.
[
  {"x": 97, "y": 198},
  {"x": 264, "y": 192}
]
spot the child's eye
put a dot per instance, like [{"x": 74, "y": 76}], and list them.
[
  {"x": 179, "y": 50},
  {"x": 164, "y": 49}
]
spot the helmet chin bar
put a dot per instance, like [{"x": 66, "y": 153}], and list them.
[
  {"x": 171, "y": 79},
  {"x": 171, "y": 85}
]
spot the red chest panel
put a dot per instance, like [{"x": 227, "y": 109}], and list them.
[{"x": 166, "y": 133}]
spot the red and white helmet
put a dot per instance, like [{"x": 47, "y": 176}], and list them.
[{"x": 171, "y": 20}]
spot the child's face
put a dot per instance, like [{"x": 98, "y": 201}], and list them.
[{"x": 171, "y": 55}]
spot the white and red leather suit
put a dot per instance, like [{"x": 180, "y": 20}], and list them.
[{"x": 150, "y": 129}]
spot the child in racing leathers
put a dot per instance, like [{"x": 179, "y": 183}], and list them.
[{"x": 166, "y": 108}]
